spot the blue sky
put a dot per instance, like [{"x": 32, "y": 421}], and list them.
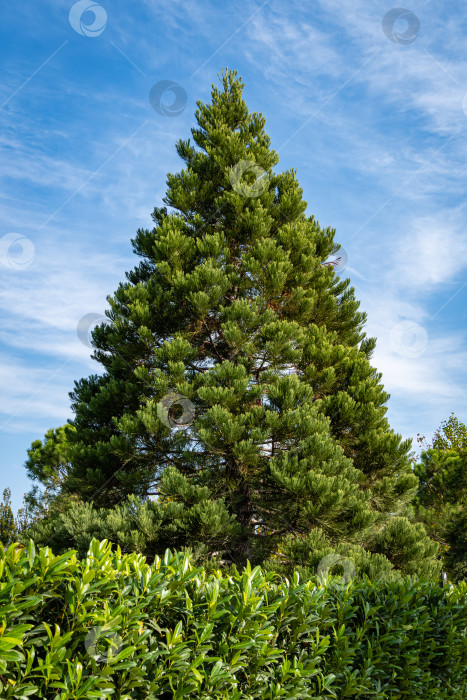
[{"x": 374, "y": 121}]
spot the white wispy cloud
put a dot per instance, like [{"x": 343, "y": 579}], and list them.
[
  {"x": 32, "y": 398},
  {"x": 434, "y": 250}
]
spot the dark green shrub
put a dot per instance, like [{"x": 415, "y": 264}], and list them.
[{"x": 110, "y": 625}]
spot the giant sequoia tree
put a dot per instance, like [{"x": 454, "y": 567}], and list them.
[{"x": 286, "y": 454}]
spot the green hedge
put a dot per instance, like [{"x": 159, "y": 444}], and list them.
[{"x": 110, "y": 625}]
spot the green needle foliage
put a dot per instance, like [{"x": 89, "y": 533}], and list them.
[{"x": 285, "y": 454}]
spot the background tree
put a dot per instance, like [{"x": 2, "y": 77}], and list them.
[
  {"x": 8, "y": 530},
  {"x": 12, "y": 527},
  {"x": 455, "y": 556},
  {"x": 451, "y": 435},
  {"x": 289, "y": 455},
  {"x": 440, "y": 503},
  {"x": 48, "y": 464}
]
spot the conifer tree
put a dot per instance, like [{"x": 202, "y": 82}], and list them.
[{"x": 235, "y": 318}]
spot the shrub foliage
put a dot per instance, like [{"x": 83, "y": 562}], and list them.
[{"x": 112, "y": 625}]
